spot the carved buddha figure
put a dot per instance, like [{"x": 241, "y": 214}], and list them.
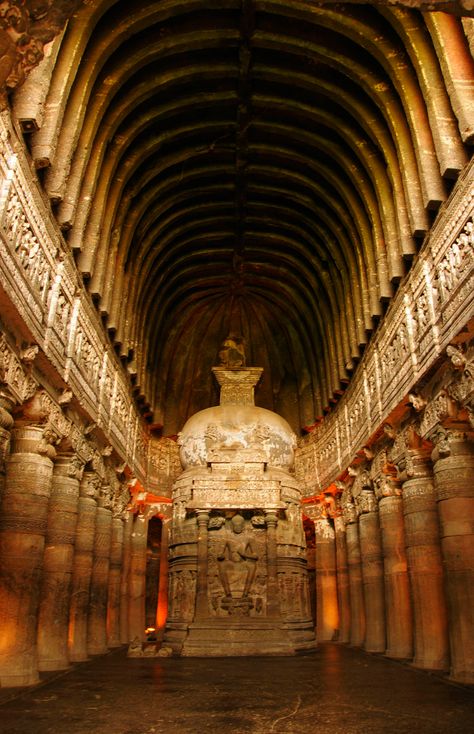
[{"x": 238, "y": 557}]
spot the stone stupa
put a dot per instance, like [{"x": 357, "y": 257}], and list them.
[{"x": 237, "y": 563}]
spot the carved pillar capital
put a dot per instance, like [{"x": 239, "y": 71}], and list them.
[
  {"x": 202, "y": 518},
  {"x": 384, "y": 475},
  {"x": 7, "y": 404},
  {"x": 448, "y": 442},
  {"x": 410, "y": 453},
  {"x": 442, "y": 411},
  {"x": 90, "y": 485},
  {"x": 461, "y": 383}
]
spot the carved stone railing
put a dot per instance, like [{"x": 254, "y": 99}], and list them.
[
  {"x": 46, "y": 293},
  {"x": 431, "y": 306}
]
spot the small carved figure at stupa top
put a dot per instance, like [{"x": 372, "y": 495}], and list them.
[{"x": 232, "y": 352}]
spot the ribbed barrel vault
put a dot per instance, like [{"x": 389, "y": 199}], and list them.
[{"x": 265, "y": 167}]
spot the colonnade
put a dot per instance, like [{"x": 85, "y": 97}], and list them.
[
  {"x": 395, "y": 545},
  {"x": 72, "y": 556}
]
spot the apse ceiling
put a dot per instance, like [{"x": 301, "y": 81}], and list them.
[{"x": 267, "y": 168}]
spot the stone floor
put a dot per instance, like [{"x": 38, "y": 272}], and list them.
[{"x": 337, "y": 690}]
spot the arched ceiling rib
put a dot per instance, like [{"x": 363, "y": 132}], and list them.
[{"x": 259, "y": 166}]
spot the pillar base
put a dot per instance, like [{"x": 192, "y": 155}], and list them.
[
  {"x": 17, "y": 681},
  {"x": 50, "y": 665},
  {"x": 466, "y": 677},
  {"x": 79, "y": 658},
  {"x": 99, "y": 650},
  {"x": 396, "y": 655},
  {"x": 436, "y": 666}
]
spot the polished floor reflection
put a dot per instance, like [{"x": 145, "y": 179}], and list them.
[{"x": 337, "y": 690}]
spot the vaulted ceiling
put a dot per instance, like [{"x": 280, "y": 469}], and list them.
[{"x": 262, "y": 167}]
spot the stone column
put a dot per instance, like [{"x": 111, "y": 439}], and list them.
[
  {"x": 356, "y": 594},
  {"x": 343, "y": 597},
  {"x": 273, "y": 605},
  {"x": 124, "y": 578},
  {"x": 431, "y": 647},
  {"x": 137, "y": 580},
  {"x": 23, "y": 517},
  {"x": 97, "y": 616},
  {"x": 57, "y": 565},
  {"x": 398, "y": 610},
  {"x": 82, "y": 566},
  {"x": 202, "y": 606},
  {"x": 372, "y": 571},
  {"x": 162, "y": 608},
  {"x": 115, "y": 573},
  {"x": 327, "y": 613},
  {"x": 453, "y": 458}
]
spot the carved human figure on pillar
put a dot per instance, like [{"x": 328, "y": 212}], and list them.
[{"x": 238, "y": 557}]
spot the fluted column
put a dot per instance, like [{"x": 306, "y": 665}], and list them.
[
  {"x": 115, "y": 573},
  {"x": 202, "y": 606},
  {"x": 137, "y": 580},
  {"x": 23, "y": 518},
  {"x": 124, "y": 578},
  {"x": 453, "y": 458},
  {"x": 57, "y": 565},
  {"x": 97, "y": 616},
  {"x": 327, "y": 613},
  {"x": 82, "y": 566},
  {"x": 162, "y": 608},
  {"x": 342, "y": 573},
  {"x": 356, "y": 593},
  {"x": 422, "y": 538},
  {"x": 372, "y": 571}
]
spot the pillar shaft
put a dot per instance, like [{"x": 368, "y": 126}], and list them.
[
  {"x": 202, "y": 607},
  {"x": 273, "y": 605},
  {"x": 113, "y": 595},
  {"x": 124, "y": 579},
  {"x": 356, "y": 592},
  {"x": 431, "y": 647},
  {"x": 97, "y": 616},
  {"x": 137, "y": 580},
  {"x": 57, "y": 566},
  {"x": 454, "y": 482},
  {"x": 162, "y": 608},
  {"x": 343, "y": 594},
  {"x": 82, "y": 567},
  {"x": 373, "y": 583},
  {"x": 23, "y": 520},
  {"x": 399, "y": 619},
  {"x": 327, "y": 614}
]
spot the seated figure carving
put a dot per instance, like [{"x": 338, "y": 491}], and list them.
[{"x": 238, "y": 554}]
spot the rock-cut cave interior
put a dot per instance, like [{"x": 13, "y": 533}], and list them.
[{"x": 236, "y": 366}]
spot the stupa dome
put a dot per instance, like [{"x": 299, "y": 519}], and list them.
[{"x": 237, "y": 430}]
